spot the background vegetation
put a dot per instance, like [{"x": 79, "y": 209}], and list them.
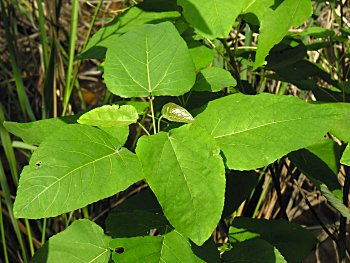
[{"x": 40, "y": 78}]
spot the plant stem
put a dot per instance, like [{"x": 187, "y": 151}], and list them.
[
  {"x": 30, "y": 239},
  {"x": 3, "y": 239},
  {"x": 342, "y": 226},
  {"x": 43, "y": 231},
  {"x": 143, "y": 128},
  {"x": 44, "y": 41},
  {"x": 152, "y": 113},
  {"x": 73, "y": 35}
]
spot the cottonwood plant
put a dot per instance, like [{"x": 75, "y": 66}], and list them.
[{"x": 197, "y": 124}]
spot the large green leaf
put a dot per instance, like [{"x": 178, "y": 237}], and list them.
[
  {"x": 253, "y": 131},
  {"x": 263, "y": 253},
  {"x": 201, "y": 55},
  {"x": 276, "y": 22},
  {"x": 149, "y": 60},
  {"x": 253, "y": 10},
  {"x": 290, "y": 239},
  {"x": 185, "y": 171},
  {"x": 35, "y": 132},
  {"x": 75, "y": 166},
  {"x": 213, "y": 79},
  {"x": 83, "y": 241},
  {"x": 170, "y": 248},
  {"x": 212, "y": 19},
  {"x": 110, "y": 116},
  {"x": 108, "y": 35}
]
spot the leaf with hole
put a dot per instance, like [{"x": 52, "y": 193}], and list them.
[
  {"x": 151, "y": 60},
  {"x": 110, "y": 116},
  {"x": 75, "y": 166},
  {"x": 185, "y": 171}
]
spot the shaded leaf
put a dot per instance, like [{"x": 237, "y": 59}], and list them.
[
  {"x": 212, "y": 19},
  {"x": 185, "y": 171},
  {"x": 172, "y": 247},
  {"x": 75, "y": 166},
  {"x": 345, "y": 159},
  {"x": 201, "y": 55},
  {"x": 239, "y": 185},
  {"x": 290, "y": 239},
  {"x": 140, "y": 106},
  {"x": 253, "y": 131},
  {"x": 35, "y": 132},
  {"x": 109, "y": 34},
  {"x": 120, "y": 133},
  {"x": 253, "y": 10},
  {"x": 83, "y": 241},
  {"x": 263, "y": 253},
  {"x": 174, "y": 112},
  {"x": 137, "y": 216},
  {"x": 110, "y": 116},
  {"x": 149, "y": 60},
  {"x": 213, "y": 79},
  {"x": 276, "y": 22}
]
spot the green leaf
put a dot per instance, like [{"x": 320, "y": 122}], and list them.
[
  {"x": 110, "y": 116},
  {"x": 320, "y": 161},
  {"x": 342, "y": 125},
  {"x": 149, "y": 60},
  {"x": 140, "y": 106},
  {"x": 75, "y": 166},
  {"x": 318, "y": 32},
  {"x": 174, "y": 112},
  {"x": 212, "y": 19},
  {"x": 290, "y": 239},
  {"x": 253, "y": 131},
  {"x": 172, "y": 247},
  {"x": 35, "y": 132},
  {"x": 137, "y": 216},
  {"x": 201, "y": 55},
  {"x": 83, "y": 241},
  {"x": 120, "y": 133},
  {"x": 253, "y": 10},
  {"x": 276, "y": 23},
  {"x": 185, "y": 171},
  {"x": 345, "y": 159},
  {"x": 263, "y": 253},
  {"x": 107, "y": 35},
  {"x": 213, "y": 79}
]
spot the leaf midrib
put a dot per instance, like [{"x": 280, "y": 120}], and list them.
[{"x": 63, "y": 177}]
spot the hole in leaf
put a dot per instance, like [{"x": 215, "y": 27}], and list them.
[
  {"x": 119, "y": 250},
  {"x": 38, "y": 163}
]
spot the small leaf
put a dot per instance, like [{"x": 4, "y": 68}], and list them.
[
  {"x": 120, "y": 133},
  {"x": 174, "y": 112},
  {"x": 290, "y": 239},
  {"x": 185, "y": 171},
  {"x": 264, "y": 252},
  {"x": 172, "y": 247},
  {"x": 75, "y": 166},
  {"x": 83, "y": 241},
  {"x": 213, "y": 79},
  {"x": 130, "y": 19},
  {"x": 345, "y": 159},
  {"x": 110, "y": 116},
  {"x": 149, "y": 60},
  {"x": 35, "y": 132},
  {"x": 212, "y": 19},
  {"x": 201, "y": 55}
]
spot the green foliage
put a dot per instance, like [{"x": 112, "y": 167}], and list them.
[
  {"x": 149, "y": 60},
  {"x": 176, "y": 60},
  {"x": 83, "y": 241}
]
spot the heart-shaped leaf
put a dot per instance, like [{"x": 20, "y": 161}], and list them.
[
  {"x": 75, "y": 166},
  {"x": 149, "y": 60}
]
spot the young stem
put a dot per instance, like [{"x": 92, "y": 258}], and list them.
[
  {"x": 342, "y": 226},
  {"x": 152, "y": 114}
]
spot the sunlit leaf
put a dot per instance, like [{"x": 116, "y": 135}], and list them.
[
  {"x": 174, "y": 112},
  {"x": 213, "y": 79}
]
